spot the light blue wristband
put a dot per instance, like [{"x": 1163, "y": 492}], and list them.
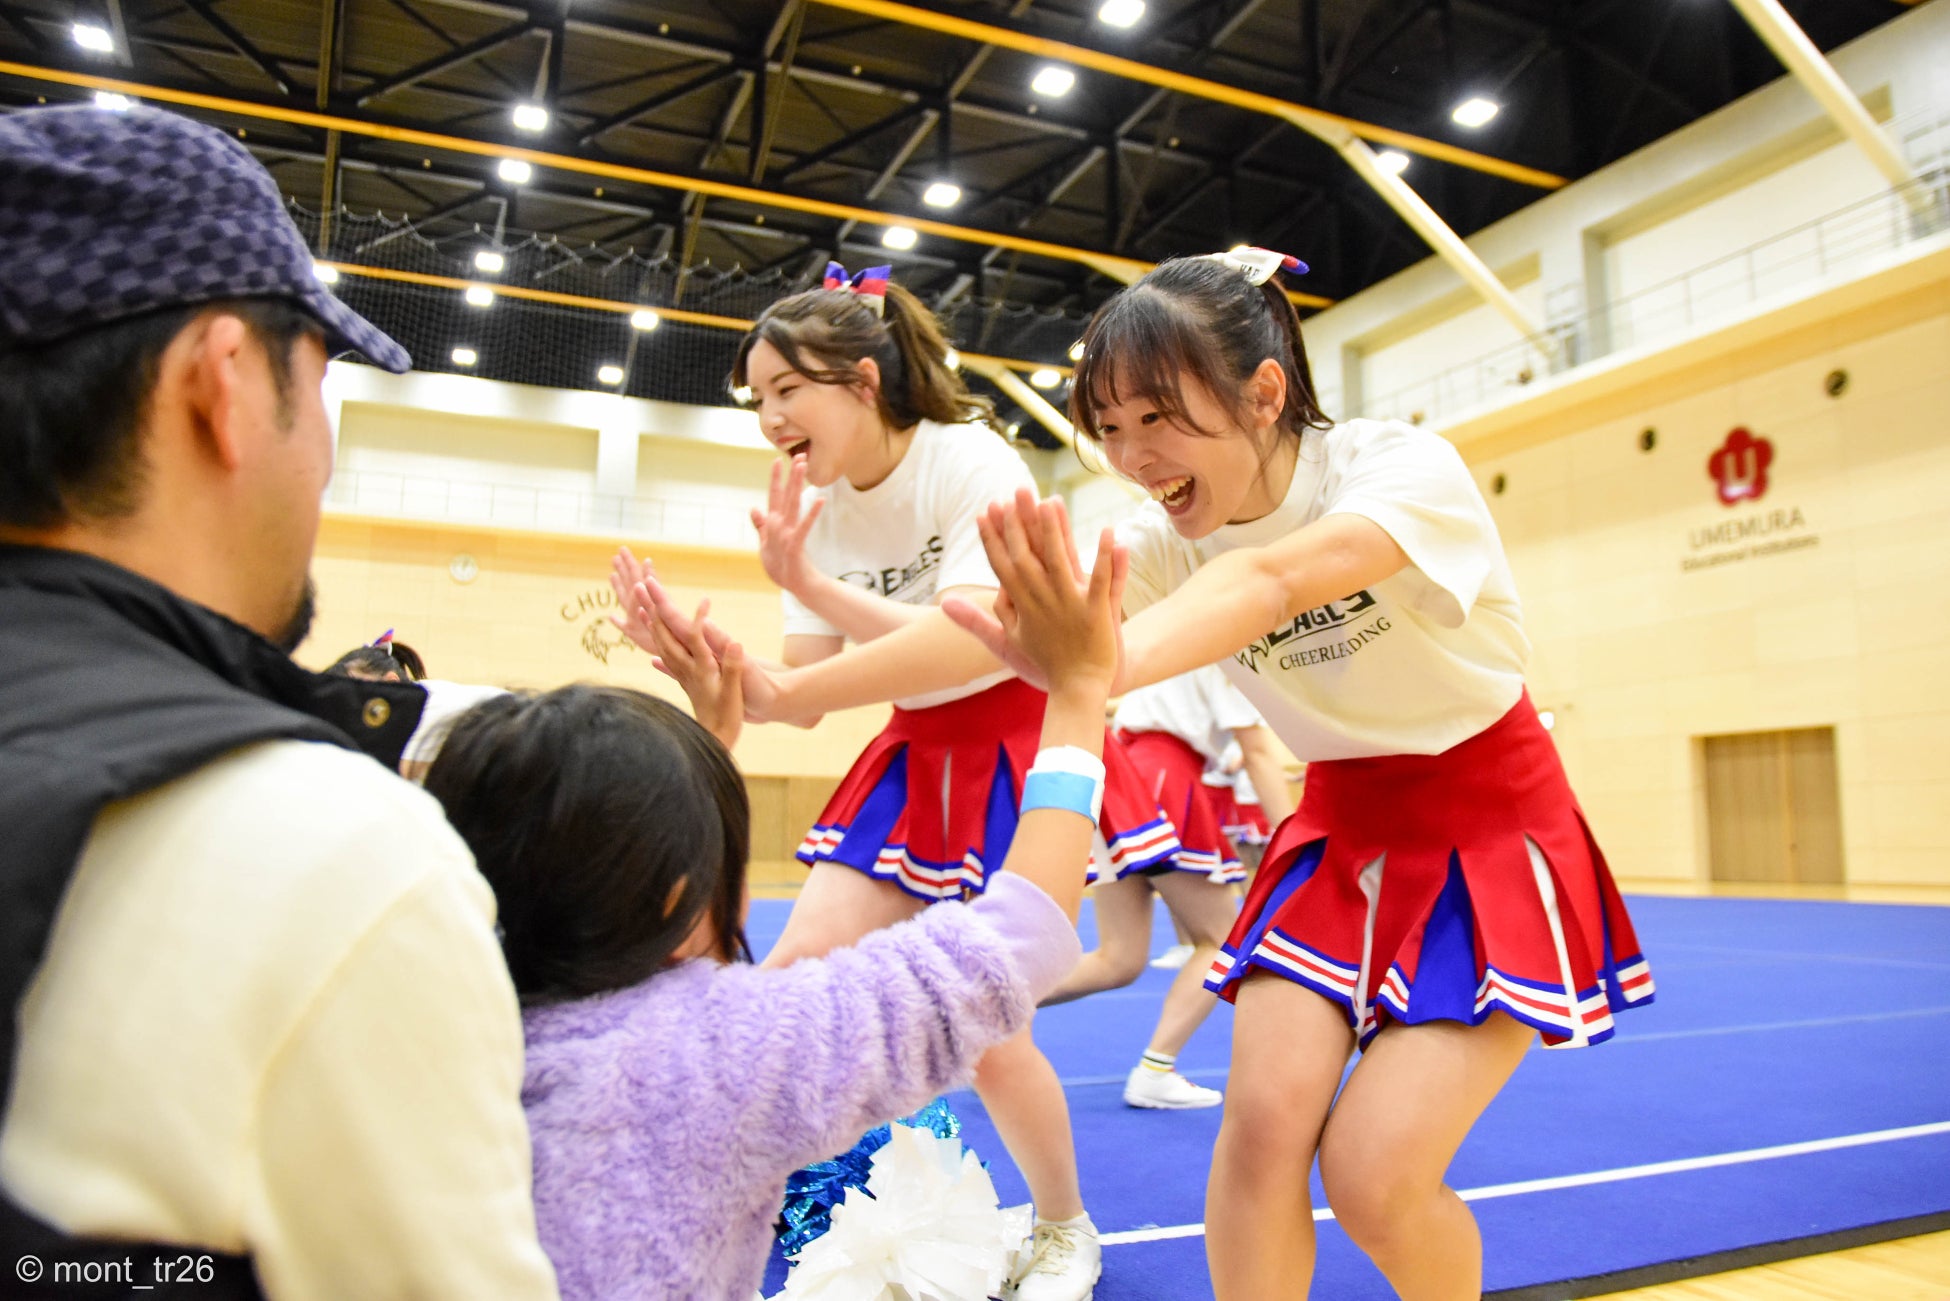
[{"x": 1062, "y": 790}]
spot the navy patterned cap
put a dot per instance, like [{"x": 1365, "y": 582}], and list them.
[{"x": 106, "y": 215}]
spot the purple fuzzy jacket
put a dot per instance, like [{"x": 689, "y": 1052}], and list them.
[{"x": 666, "y": 1117}]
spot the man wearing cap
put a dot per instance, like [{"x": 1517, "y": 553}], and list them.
[{"x": 253, "y": 1015}]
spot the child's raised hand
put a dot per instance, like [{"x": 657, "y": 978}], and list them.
[
  {"x": 782, "y": 527},
  {"x": 625, "y": 572},
  {"x": 1052, "y": 625}
]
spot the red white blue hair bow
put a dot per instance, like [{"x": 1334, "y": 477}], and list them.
[
  {"x": 1258, "y": 264},
  {"x": 870, "y": 285}
]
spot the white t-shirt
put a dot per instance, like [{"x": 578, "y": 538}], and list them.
[
  {"x": 446, "y": 702},
  {"x": 913, "y": 534},
  {"x": 1413, "y": 665},
  {"x": 1230, "y": 772},
  {"x": 1200, "y": 708},
  {"x": 274, "y": 1018}
]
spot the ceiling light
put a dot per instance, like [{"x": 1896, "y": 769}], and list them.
[
  {"x": 1392, "y": 161},
  {"x": 92, "y": 38},
  {"x": 1076, "y": 351},
  {"x": 942, "y": 194},
  {"x": 530, "y": 117},
  {"x": 465, "y": 356},
  {"x": 951, "y": 359},
  {"x": 609, "y": 374},
  {"x": 899, "y": 237},
  {"x": 645, "y": 321},
  {"x": 1121, "y": 13},
  {"x": 479, "y": 296},
  {"x": 108, "y": 99},
  {"x": 1054, "y": 81},
  {"x": 1474, "y": 111},
  {"x": 489, "y": 261},
  {"x": 327, "y": 275},
  {"x": 1047, "y": 377},
  {"x": 514, "y": 171}
]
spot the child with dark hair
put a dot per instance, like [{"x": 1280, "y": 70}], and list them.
[
  {"x": 671, "y": 1087},
  {"x": 385, "y": 660},
  {"x": 389, "y": 660}
]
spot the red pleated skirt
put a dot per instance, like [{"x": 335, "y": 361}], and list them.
[
  {"x": 1416, "y": 888},
  {"x": 1171, "y": 771},
  {"x": 932, "y": 803},
  {"x": 1244, "y": 824}
]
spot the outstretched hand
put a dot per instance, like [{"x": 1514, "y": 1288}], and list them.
[
  {"x": 708, "y": 654},
  {"x": 708, "y": 666},
  {"x": 782, "y": 527},
  {"x": 1053, "y": 625},
  {"x": 625, "y": 572}
]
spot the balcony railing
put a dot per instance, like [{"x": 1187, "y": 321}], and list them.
[
  {"x": 1837, "y": 245},
  {"x": 554, "y": 510}
]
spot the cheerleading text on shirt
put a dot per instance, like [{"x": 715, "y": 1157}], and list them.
[
  {"x": 904, "y": 583},
  {"x": 1335, "y": 617}
]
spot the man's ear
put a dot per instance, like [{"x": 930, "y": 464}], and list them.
[
  {"x": 211, "y": 361},
  {"x": 1266, "y": 391}
]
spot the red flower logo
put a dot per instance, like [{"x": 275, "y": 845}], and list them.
[{"x": 1739, "y": 467}]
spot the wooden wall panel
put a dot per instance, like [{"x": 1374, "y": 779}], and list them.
[{"x": 783, "y": 809}]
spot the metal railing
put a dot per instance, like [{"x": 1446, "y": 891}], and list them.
[
  {"x": 1839, "y": 244},
  {"x": 553, "y": 510},
  {"x": 1833, "y": 245}
]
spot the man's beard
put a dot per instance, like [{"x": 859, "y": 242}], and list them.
[{"x": 298, "y": 626}]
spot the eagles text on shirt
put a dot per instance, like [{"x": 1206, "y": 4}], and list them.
[
  {"x": 903, "y": 584},
  {"x": 1344, "y": 618}
]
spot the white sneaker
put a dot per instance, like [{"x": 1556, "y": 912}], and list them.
[
  {"x": 1173, "y": 958},
  {"x": 1064, "y": 1262},
  {"x": 1167, "y": 1091}
]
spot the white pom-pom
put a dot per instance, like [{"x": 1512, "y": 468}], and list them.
[{"x": 930, "y": 1231}]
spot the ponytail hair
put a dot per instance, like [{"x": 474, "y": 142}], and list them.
[
  {"x": 1196, "y": 318},
  {"x": 377, "y": 661},
  {"x": 825, "y": 334}
]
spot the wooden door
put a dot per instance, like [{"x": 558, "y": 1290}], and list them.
[{"x": 1773, "y": 807}]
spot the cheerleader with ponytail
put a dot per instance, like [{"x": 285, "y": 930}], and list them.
[
  {"x": 889, "y": 461},
  {"x": 1437, "y": 901}
]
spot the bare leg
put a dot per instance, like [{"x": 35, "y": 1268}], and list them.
[
  {"x": 1025, "y": 1100},
  {"x": 1288, "y": 1048},
  {"x": 1204, "y": 911},
  {"x": 1405, "y": 1111},
  {"x": 839, "y": 906},
  {"x": 1123, "y": 941},
  {"x": 1015, "y": 1081}
]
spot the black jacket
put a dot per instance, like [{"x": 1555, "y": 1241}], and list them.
[{"x": 111, "y": 685}]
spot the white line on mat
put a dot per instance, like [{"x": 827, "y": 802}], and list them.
[{"x": 1601, "y": 1176}]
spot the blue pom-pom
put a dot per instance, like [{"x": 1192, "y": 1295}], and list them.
[{"x": 812, "y": 1193}]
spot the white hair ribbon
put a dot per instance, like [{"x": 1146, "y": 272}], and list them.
[{"x": 1259, "y": 264}]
